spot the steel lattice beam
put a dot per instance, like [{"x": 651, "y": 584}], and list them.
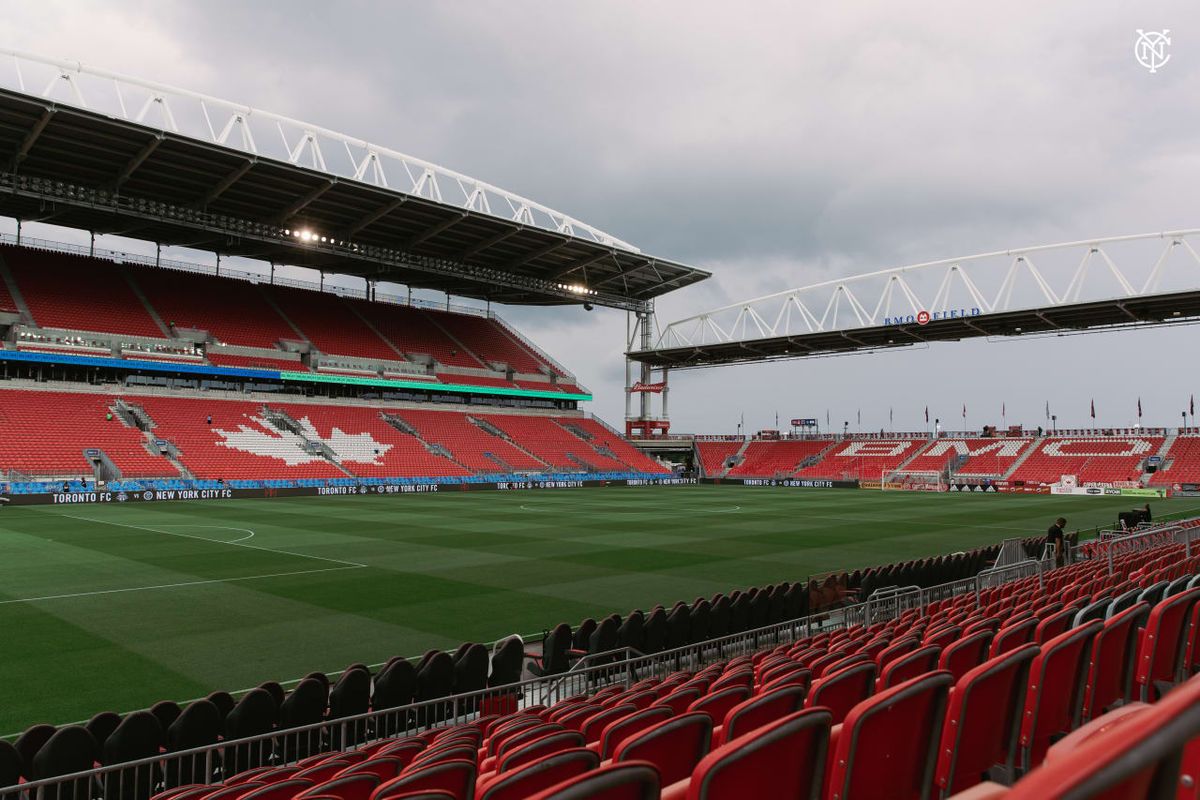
[
  {"x": 1067, "y": 286},
  {"x": 258, "y": 132}
]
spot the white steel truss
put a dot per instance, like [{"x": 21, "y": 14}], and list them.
[
  {"x": 259, "y": 132},
  {"x": 1029, "y": 278}
]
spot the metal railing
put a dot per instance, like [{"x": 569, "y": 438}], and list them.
[
  {"x": 998, "y": 576},
  {"x": 889, "y": 602}
]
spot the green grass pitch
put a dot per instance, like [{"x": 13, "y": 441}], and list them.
[{"x": 115, "y": 607}]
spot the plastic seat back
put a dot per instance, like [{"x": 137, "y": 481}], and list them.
[
  {"x": 1053, "y": 625},
  {"x": 540, "y": 748},
  {"x": 1143, "y": 757},
  {"x": 455, "y": 777},
  {"x": 1013, "y": 636},
  {"x": 761, "y": 710},
  {"x": 967, "y": 653},
  {"x": 749, "y": 766},
  {"x": 1054, "y": 702},
  {"x": 1162, "y": 647},
  {"x": 717, "y": 704},
  {"x": 679, "y": 700},
  {"x": 596, "y": 724},
  {"x": 1114, "y": 655},
  {"x": 909, "y": 666},
  {"x": 346, "y": 787},
  {"x": 674, "y": 746},
  {"x": 983, "y": 721},
  {"x": 633, "y": 780},
  {"x": 619, "y": 730},
  {"x": 842, "y": 691},
  {"x": 1123, "y": 601},
  {"x": 539, "y": 775},
  {"x": 1096, "y": 610},
  {"x": 898, "y": 728}
]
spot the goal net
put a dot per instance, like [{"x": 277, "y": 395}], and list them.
[{"x": 913, "y": 482}]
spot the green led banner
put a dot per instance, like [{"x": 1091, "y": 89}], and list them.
[{"x": 387, "y": 383}]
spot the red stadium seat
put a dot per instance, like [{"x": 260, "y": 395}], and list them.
[
  {"x": 983, "y": 722},
  {"x": 898, "y": 728},
  {"x": 750, "y": 766},
  {"x": 522, "y": 782},
  {"x": 631, "y": 780},
  {"x": 1054, "y": 702},
  {"x": 758, "y": 711},
  {"x": 843, "y": 690},
  {"x": 1114, "y": 658},
  {"x": 1161, "y": 653},
  {"x": 674, "y": 746}
]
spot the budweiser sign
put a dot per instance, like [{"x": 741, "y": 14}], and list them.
[{"x": 656, "y": 388}]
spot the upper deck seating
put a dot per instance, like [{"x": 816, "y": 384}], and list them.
[
  {"x": 233, "y": 312},
  {"x": 78, "y": 293}
]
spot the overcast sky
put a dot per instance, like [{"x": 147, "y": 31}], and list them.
[{"x": 774, "y": 144}]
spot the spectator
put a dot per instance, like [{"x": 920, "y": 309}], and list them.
[
  {"x": 108, "y": 416},
  {"x": 1056, "y": 537},
  {"x": 210, "y": 419},
  {"x": 1146, "y": 513}
]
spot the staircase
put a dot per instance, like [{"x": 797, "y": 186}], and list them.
[
  {"x": 488, "y": 427},
  {"x": 737, "y": 458},
  {"x": 285, "y": 422},
  {"x": 1163, "y": 463},
  {"x": 18, "y": 299},
  {"x": 405, "y": 427},
  {"x": 462, "y": 348},
  {"x": 137, "y": 290},
  {"x": 600, "y": 449},
  {"x": 354, "y": 310},
  {"x": 814, "y": 460},
  {"x": 916, "y": 454},
  {"x": 136, "y": 417},
  {"x": 1033, "y": 448}
]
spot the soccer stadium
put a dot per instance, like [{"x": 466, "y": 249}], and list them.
[{"x": 295, "y": 505}]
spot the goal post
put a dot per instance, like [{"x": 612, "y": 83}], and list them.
[{"x": 912, "y": 481}]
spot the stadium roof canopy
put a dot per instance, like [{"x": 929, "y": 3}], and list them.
[
  {"x": 110, "y": 154},
  {"x": 1117, "y": 282}
]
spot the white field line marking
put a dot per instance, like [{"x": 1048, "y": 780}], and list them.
[
  {"x": 661, "y": 512},
  {"x": 172, "y": 585},
  {"x": 249, "y": 533},
  {"x": 216, "y": 541}
]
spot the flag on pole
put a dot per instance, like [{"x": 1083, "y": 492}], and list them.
[
  {"x": 1003, "y": 410},
  {"x": 926, "y": 414},
  {"x": 860, "y": 416},
  {"x": 1139, "y": 408},
  {"x": 964, "y": 410},
  {"x": 891, "y": 414},
  {"x": 1093, "y": 408},
  {"x": 1047, "y": 409},
  {"x": 827, "y": 418},
  {"x": 1192, "y": 406}
]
